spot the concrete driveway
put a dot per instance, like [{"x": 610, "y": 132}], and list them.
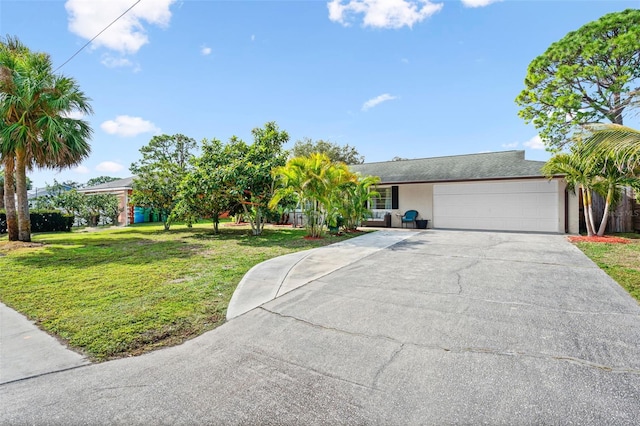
[{"x": 444, "y": 327}]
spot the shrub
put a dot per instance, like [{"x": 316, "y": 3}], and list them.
[{"x": 43, "y": 221}]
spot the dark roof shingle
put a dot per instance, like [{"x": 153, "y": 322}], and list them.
[
  {"x": 113, "y": 185},
  {"x": 491, "y": 165}
]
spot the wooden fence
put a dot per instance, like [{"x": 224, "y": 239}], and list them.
[{"x": 624, "y": 218}]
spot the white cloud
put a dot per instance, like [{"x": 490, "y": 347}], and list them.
[
  {"x": 125, "y": 126},
  {"x": 205, "y": 51},
  {"x": 534, "y": 143},
  {"x": 82, "y": 170},
  {"x": 253, "y": 37},
  {"x": 377, "y": 101},
  {"x": 113, "y": 62},
  {"x": 478, "y": 3},
  {"x": 404, "y": 60},
  {"x": 109, "y": 166},
  {"x": 382, "y": 13},
  {"x": 127, "y": 35},
  {"x": 510, "y": 145}
]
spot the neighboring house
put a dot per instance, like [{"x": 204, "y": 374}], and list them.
[
  {"x": 42, "y": 192},
  {"x": 490, "y": 191},
  {"x": 122, "y": 188}
]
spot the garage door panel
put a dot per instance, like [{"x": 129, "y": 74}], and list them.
[{"x": 512, "y": 206}]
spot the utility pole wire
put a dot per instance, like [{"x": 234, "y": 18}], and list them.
[{"x": 97, "y": 35}]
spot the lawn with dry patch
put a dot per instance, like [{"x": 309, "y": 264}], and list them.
[{"x": 125, "y": 291}]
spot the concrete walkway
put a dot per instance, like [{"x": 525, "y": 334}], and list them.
[
  {"x": 26, "y": 351},
  {"x": 444, "y": 327},
  {"x": 276, "y": 277}
]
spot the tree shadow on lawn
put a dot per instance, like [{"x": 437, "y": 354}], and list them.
[
  {"x": 87, "y": 252},
  {"x": 144, "y": 246},
  {"x": 281, "y": 237}
]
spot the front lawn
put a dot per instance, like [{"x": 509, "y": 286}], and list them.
[
  {"x": 620, "y": 261},
  {"x": 125, "y": 291}
]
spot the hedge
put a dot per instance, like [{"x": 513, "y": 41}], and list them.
[{"x": 43, "y": 221}]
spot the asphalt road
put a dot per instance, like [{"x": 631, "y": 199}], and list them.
[{"x": 445, "y": 327}]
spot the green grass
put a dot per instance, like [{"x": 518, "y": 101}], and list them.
[
  {"x": 121, "y": 292},
  {"x": 620, "y": 261}
]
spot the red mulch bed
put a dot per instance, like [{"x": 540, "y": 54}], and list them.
[{"x": 595, "y": 239}]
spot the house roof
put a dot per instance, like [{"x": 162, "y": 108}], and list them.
[
  {"x": 41, "y": 192},
  {"x": 116, "y": 185},
  {"x": 491, "y": 165}
]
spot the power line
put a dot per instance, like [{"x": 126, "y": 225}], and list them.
[{"x": 97, "y": 35}]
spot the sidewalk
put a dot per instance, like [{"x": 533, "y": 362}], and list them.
[
  {"x": 26, "y": 351},
  {"x": 275, "y": 277}
]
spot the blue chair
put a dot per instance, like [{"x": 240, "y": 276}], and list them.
[{"x": 410, "y": 216}]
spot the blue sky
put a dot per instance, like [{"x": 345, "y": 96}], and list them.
[{"x": 408, "y": 78}]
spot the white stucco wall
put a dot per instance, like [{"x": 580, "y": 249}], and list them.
[
  {"x": 574, "y": 213},
  {"x": 418, "y": 196}
]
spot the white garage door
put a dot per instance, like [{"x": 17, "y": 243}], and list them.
[{"x": 506, "y": 206}]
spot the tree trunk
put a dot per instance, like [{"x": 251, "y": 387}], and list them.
[
  {"x": 586, "y": 208},
  {"x": 605, "y": 216},
  {"x": 10, "y": 198},
  {"x": 257, "y": 218},
  {"x": 22, "y": 207},
  {"x": 617, "y": 110}
]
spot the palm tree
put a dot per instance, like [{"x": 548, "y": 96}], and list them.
[
  {"x": 577, "y": 174},
  {"x": 357, "y": 193},
  {"x": 609, "y": 182},
  {"x": 9, "y": 199},
  {"x": 36, "y": 130},
  {"x": 593, "y": 168},
  {"x": 620, "y": 145},
  {"x": 312, "y": 181},
  {"x": 1, "y": 189},
  {"x": 617, "y": 141}
]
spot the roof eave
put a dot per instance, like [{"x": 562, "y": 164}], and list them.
[{"x": 469, "y": 180}]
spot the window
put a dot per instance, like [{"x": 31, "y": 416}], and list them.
[{"x": 382, "y": 201}]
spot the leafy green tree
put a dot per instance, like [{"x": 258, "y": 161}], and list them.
[
  {"x": 98, "y": 206},
  {"x": 71, "y": 202},
  {"x": 591, "y": 75},
  {"x": 164, "y": 163},
  {"x": 317, "y": 183},
  {"x": 203, "y": 191},
  {"x": 336, "y": 153},
  {"x": 356, "y": 194},
  {"x": 35, "y": 127},
  {"x": 248, "y": 172},
  {"x": 99, "y": 180}
]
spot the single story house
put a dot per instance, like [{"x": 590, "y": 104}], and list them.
[
  {"x": 122, "y": 188},
  {"x": 500, "y": 191}
]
